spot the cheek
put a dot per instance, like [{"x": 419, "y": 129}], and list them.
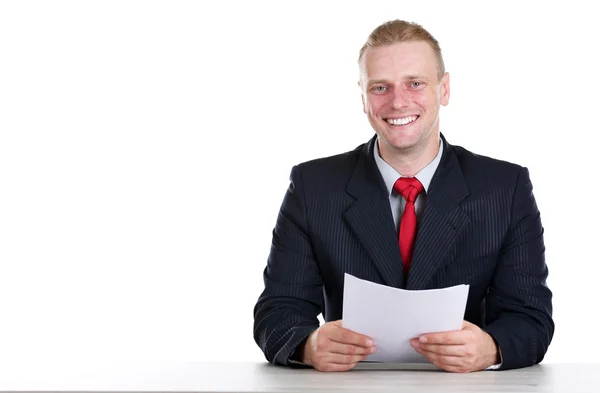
[
  {"x": 377, "y": 104},
  {"x": 420, "y": 99},
  {"x": 426, "y": 100}
]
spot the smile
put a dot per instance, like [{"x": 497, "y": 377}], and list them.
[{"x": 402, "y": 121}]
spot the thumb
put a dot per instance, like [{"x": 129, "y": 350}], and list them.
[{"x": 467, "y": 325}]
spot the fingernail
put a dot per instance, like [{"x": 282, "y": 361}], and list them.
[
  {"x": 373, "y": 349},
  {"x": 423, "y": 339},
  {"x": 414, "y": 343},
  {"x": 369, "y": 342}
]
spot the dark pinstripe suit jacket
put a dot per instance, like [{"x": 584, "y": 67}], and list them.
[{"x": 480, "y": 226}]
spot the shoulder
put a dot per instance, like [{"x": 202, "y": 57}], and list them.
[
  {"x": 481, "y": 168},
  {"x": 331, "y": 169},
  {"x": 470, "y": 161}
]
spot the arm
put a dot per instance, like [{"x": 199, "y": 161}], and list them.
[
  {"x": 519, "y": 304},
  {"x": 286, "y": 311}
]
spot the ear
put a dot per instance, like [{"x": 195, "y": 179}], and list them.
[{"x": 445, "y": 89}]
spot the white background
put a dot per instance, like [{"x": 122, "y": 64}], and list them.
[{"x": 145, "y": 149}]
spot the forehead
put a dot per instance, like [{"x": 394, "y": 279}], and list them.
[{"x": 415, "y": 58}]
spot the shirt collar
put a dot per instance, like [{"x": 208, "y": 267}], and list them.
[{"x": 390, "y": 175}]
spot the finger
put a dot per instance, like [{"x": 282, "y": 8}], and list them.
[
  {"x": 432, "y": 361},
  {"x": 454, "y": 361},
  {"x": 447, "y": 350},
  {"x": 338, "y": 358},
  {"x": 456, "y": 337},
  {"x": 346, "y": 336},
  {"x": 452, "y": 369},
  {"x": 334, "y": 367},
  {"x": 349, "y": 349}
]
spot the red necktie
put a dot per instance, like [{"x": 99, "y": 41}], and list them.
[{"x": 409, "y": 188}]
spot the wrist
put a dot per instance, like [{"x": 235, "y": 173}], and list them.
[
  {"x": 494, "y": 357},
  {"x": 306, "y": 350}
]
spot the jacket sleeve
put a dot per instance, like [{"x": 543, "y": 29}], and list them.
[
  {"x": 519, "y": 303},
  {"x": 287, "y": 309}
]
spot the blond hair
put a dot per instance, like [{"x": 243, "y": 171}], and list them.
[{"x": 396, "y": 31}]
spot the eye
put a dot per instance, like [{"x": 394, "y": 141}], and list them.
[
  {"x": 379, "y": 89},
  {"x": 416, "y": 84}
]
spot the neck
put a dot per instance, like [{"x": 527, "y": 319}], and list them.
[{"x": 408, "y": 162}]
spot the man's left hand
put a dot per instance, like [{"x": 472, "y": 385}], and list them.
[{"x": 462, "y": 351}]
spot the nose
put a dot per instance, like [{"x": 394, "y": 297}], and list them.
[{"x": 400, "y": 99}]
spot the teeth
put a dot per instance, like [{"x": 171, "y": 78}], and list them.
[{"x": 403, "y": 121}]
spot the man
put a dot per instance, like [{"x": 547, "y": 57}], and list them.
[{"x": 408, "y": 210}]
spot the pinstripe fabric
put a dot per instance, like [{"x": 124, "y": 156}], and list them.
[{"x": 480, "y": 226}]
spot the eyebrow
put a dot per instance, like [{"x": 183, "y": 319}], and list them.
[{"x": 408, "y": 78}]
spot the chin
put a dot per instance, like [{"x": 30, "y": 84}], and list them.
[
  {"x": 404, "y": 145},
  {"x": 403, "y": 141},
  {"x": 399, "y": 144}
]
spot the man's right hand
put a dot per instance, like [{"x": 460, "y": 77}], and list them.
[{"x": 333, "y": 348}]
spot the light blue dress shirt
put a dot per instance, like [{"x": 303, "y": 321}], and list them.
[{"x": 390, "y": 175}]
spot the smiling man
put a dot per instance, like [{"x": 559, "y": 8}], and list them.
[{"x": 409, "y": 210}]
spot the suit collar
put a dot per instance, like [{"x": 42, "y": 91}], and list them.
[
  {"x": 366, "y": 180},
  {"x": 370, "y": 217},
  {"x": 442, "y": 221}
]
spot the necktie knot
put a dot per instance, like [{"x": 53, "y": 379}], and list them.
[{"x": 409, "y": 188}]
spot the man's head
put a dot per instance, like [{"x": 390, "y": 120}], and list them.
[{"x": 403, "y": 82}]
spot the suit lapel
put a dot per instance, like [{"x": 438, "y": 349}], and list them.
[
  {"x": 370, "y": 218},
  {"x": 442, "y": 220}
]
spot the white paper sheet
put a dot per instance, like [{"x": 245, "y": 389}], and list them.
[{"x": 392, "y": 316}]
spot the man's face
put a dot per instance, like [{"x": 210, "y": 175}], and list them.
[{"x": 402, "y": 95}]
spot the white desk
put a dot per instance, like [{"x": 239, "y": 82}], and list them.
[{"x": 262, "y": 377}]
